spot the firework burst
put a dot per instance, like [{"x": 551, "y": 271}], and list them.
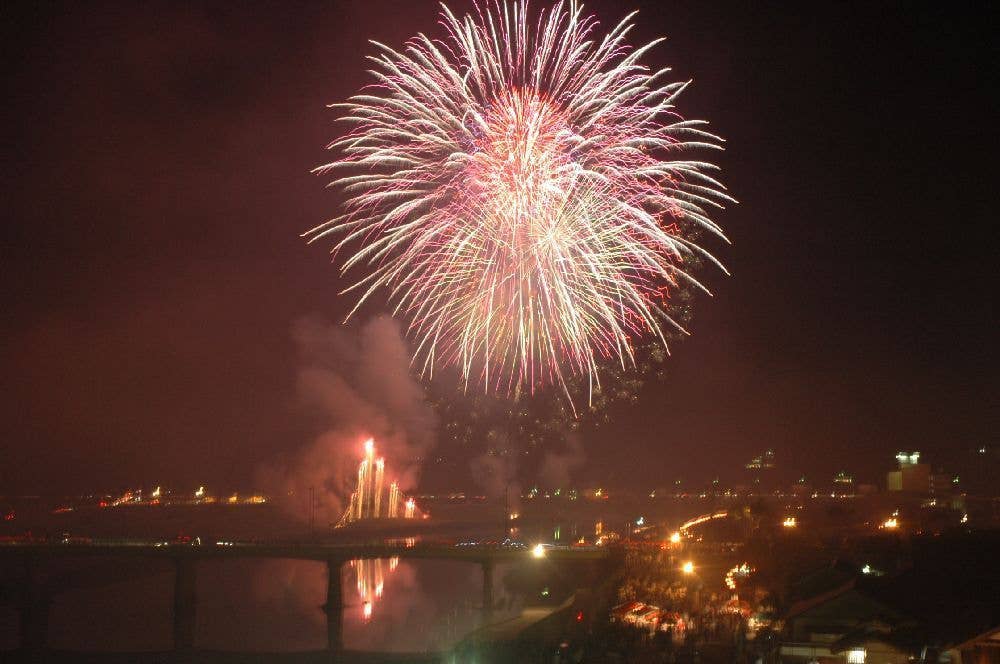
[{"x": 519, "y": 189}]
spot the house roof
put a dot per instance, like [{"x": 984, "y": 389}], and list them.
[
  {"x": 946, "y": 599},
  {"x": 989, "y": 637},
  {"x": 804, "y": 605}
]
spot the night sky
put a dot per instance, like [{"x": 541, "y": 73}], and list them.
[{"x": 157, "y": 179}]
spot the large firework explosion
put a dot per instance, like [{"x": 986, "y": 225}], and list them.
[{"x": 518, "y": 188}]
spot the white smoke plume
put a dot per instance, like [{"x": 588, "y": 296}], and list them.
[
  {"x": 558, "y": 467},
  {"x": 495, "y": 474}
]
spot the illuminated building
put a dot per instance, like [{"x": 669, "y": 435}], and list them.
[
  {"x": 843, "y": 484},
  {"x": 912, "y": 476},
  {"x": 761, "y": 469},
  {"x": 762, "y": 461},
  {"x": 801, "y": 488},
  {"x": 943, "y": 484}
]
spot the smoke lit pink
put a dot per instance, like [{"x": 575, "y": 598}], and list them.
[{"x": 372, "y": 499}]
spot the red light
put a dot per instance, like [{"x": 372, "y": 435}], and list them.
[{"x": 579, "y": 616}]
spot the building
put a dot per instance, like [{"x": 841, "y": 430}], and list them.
[
  {"x": 982, "y": 648},
  {"x": 843, "y": 484},
  {"x": 855, "y": 624},
  {"x": 801, "y": 488},
  {"x": 763, "y": 461},
  {"x": 761, "y": 470},
  {"x": 912, "y": 476},
  {"x": 842, "y": 625},
  {"x": 943, "y": 484},
  {"x": 940, "y": 607}
]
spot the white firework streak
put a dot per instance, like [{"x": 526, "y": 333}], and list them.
[{"x": 517, "y": 189}]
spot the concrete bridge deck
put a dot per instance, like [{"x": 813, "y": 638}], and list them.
[{"x": 305, "y": 551}]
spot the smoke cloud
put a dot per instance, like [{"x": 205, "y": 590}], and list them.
[
  {"x": 558, "y": 467},
  {"x": 356, "y": 381},
  {"x": 494, "y": 473}
]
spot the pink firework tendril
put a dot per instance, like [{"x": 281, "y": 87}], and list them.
[{"x": 516, "y": 187}]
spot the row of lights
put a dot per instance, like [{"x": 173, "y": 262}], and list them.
[{"x": 538, "y": 551}]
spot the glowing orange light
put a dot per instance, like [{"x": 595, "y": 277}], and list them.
[{"x": 372, "y": 499}]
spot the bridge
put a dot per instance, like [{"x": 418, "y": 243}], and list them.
[{"x": 34, "y": 593}]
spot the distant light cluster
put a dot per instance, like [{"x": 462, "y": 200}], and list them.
[{"x": 159, "y": 496}]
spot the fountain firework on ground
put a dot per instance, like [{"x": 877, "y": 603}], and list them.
[{"x": 371, "y": 498}]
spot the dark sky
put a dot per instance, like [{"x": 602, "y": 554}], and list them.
[{"x": 157, "y": 160}]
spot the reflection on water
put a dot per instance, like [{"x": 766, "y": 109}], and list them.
[
  {"x": 389, "y": 604},
  {"x": 424, "y": 605},
  {"x": 261, "y": 605},
  {"x": 370, "y": 581},
  {"x": 271, "y": 605},
  {"x": 128, "y": 607}
]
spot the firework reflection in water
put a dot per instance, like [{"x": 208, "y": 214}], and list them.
[{"x": 370, "y": 578}]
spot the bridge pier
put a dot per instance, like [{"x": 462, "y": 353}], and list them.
[
  {"x": 40, "y": 583},
  {"x": 334, "y": 606},
  {"x": 33, "y": 609},
  {"x": 488, "y": 601},
  {"x": 185, "y": 603}
]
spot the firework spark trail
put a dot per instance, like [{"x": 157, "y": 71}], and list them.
[
  {"x": 516, "y": 191},
  {"x": 371, "y": 498}
]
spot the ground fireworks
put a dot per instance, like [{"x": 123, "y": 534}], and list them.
[
  {"x": 372, "y": 497},
  {"x": 519, "y": 189}
]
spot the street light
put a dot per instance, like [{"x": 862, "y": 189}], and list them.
[{"x": 688, "y": 567}]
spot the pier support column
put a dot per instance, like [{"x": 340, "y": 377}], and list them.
[
  {"x": 487, "y": 590},
  {"x": 33, "y": 609},
  {"x": 185, "y": 602},
  {"x": 334, "y": 606}
]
